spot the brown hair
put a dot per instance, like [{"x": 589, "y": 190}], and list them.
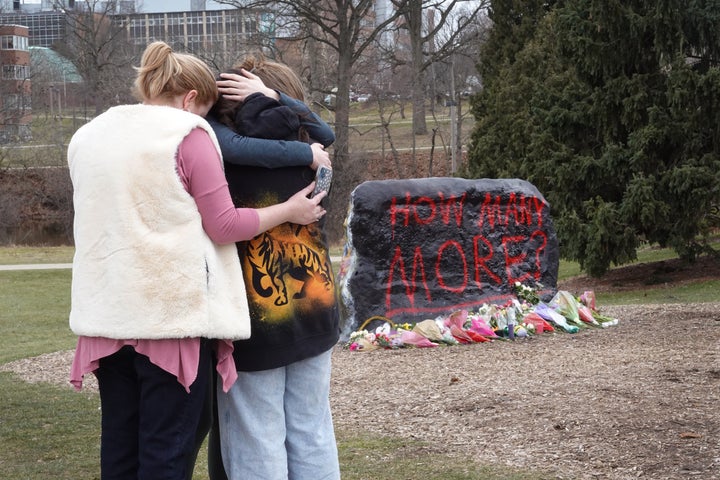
[
  {"x": 274, "y": 75},
  {"x": 164, "y": 74}
]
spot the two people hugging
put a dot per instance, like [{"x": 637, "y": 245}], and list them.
[{"x": 171, "y": 323}]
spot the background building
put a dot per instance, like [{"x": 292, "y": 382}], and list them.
[
  {"x": 117, "y": 6},
  {"x": 15, "y": 104},
  {"x": 205, "y": 32},
  {"x": 45, "y": 28}
]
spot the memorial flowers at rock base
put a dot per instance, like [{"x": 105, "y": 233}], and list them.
[{"x": 520, "y": 317}]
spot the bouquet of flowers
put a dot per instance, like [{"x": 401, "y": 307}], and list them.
[
  {"x": 520, "y": 317},
  {"x": 527, "y": 293}
]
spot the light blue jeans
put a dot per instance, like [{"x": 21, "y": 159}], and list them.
[{"x": 276, "y": 424}]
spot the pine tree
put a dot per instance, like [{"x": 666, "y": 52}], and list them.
[{"x": 612, "y": 109}]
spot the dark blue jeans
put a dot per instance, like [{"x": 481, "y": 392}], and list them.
[
  {"x": 149, "y": 421},
  {"x": 209, "y": 424}
]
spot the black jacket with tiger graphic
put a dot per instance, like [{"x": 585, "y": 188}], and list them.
[{"x": 288, "y": 273}]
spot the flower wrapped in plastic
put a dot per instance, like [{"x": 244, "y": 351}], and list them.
[
  {"x": 448, "y": 337},
  {"x": 457, "y": 318},
  {"x": 549, "y": 314},
  {"x": 362, "y": 341},
  {"x": 455, "y": 323},
  {"x": 514, "y": 319},
  {"x": 460, "y": 335},
  {"x": 429, "y": 329},
  {"x": 415, "y": 339},
  {"x": 565, "y": 304},
  {"x": 539, "y": 324},
  {"x": 588, "y": 299},
  {"x": 480, "y": 324},
  {"x": 586, "y": 315}
]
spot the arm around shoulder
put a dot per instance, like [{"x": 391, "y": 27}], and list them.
[{"x": 241, "y": 150}]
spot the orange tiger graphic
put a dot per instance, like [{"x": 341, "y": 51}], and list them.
[{"x": 274, "y": 260}]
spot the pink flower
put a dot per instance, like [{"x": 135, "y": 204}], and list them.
[
  {"x": 457, "y": 318},
  {"x": 460, "y": 335},
  {"x": 480, "y": 326},
  {"x": 588, "y": 298},
  {"x": 415, "y": 339}
]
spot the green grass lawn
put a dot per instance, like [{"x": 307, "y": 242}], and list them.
[
  {"x": 696, "y": 292},
  {"x": 48, "y": 432},
  {"x": 28, "y": 255},
  {"x": 53, "y": 432},
  {"x": 34, "y": 306}
]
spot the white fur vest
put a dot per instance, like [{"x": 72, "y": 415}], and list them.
[{"x": 144, "y": 267}]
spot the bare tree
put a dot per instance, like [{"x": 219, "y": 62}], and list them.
[
  {"x": 344, "y": 27},
  {"x": 436, "y": 30},
  {"x": 347, "y": 30},
  {"x": 221, "y": 52},
  {"x": 100, "y": 51},
  {"x": 456, "y": 76}
]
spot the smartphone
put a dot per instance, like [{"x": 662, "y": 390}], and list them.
[{"x": 323, "y": 179}]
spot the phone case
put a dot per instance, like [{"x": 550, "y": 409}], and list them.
[{"x": 323, "y": 179}]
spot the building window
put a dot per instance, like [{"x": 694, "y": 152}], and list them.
[
  {"x": 11, "y": 101},
  {"x": 16, "y": 101},
  {"x": 15, "y": 72},
  {"x": 13, "y": 42}
]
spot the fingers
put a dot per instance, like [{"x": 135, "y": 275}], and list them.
[
  {"x": 248, "y": 74},
  {"x": 307, "y": 209},
  {"x": 234, "y": 84},
  {"x": 320, "y": 156},
  {"x": 232, "y": 77},
  {"x": 231, "y": 85},
  {"x": 231, "y": 90},
  {"x": 227, "y": 83},
  {"x": 319, "y": 197},
  {"x": 319, "y": 211},
  {"x": 308, "y": 190}
]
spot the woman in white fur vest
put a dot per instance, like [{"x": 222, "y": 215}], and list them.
[{"x": 156, "y": 274}]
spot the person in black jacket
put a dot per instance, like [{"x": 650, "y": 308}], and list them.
[{"x": 276, "y": 421}]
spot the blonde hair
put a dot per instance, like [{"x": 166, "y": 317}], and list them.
[{"x": 165, "y": 74}]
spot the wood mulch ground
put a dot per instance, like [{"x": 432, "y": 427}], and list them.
[{"x": 637, "y": 400}]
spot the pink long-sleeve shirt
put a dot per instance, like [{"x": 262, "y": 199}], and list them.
[{"x": 199, "y": 168}]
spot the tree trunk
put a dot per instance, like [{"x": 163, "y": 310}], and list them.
[
  {"x": 344, "y": 171},
  {"x": 414, "y": 19}
]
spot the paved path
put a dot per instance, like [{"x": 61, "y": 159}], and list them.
[
  {"x": 56, "y": 266},
  {"x": 36, "y": 266}
]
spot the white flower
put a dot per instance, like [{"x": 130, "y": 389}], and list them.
[{"x": 383, "y": 329}]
